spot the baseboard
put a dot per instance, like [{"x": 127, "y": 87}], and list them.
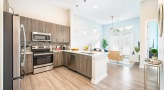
[
  {"x": 141, "y": 66},
  {"x": 99, "y": 79}
]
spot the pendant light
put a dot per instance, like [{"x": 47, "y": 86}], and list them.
[
  {"x": 112, "y": 24},
  {"x": 77, "y": 32},
  {"x": 95, "y": 6},
  {"x": 94, "y": 14},
  {"x": 94, "y": 30},
  {"x": 85, "y": 31}
]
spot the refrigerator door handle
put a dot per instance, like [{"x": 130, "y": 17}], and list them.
[{"x": 24, "y": 35}]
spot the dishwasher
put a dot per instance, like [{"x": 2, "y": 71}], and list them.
[{"x": 71, "y": 61}]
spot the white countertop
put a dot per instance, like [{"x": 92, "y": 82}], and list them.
[
  {"x": 28, "y": 53},
  {"x": 95, "y": 54}
]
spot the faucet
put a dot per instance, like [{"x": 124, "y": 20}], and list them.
[{"x": 90, "y": 47}]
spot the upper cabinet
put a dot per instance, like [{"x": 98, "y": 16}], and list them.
[
  {"x": 59, "y": 33},
  {"x": 66, "y": 34},
  {"x": 28, "y": 28}
]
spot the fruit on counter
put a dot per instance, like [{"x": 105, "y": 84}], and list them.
[
  {"x": 74, "y": 49},
  {"x": 85, "y": 47}
]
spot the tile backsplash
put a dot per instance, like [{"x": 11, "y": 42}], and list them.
[{"x": 52, "y": 44}]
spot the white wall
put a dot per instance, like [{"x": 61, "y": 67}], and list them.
[
  {"x": 1, "y": 44},
  {"x": 148, "y": 11},
  {"x": 161, "y": 51},
  {"x": 79, "y": 41},
  {"x": 135, "y": 22},
  {"x": 41, "y": 10}
]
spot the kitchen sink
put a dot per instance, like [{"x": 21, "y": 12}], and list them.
[{"x": 87, "y": 53}]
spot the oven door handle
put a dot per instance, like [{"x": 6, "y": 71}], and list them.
[{"x": 41, "y": 54}]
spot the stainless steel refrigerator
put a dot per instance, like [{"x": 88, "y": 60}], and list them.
[{"x": 13, "y": 65}]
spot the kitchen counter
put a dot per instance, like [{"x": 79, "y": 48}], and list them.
[
  {"x": 88, "y": 53},
  {"x": 99, "y": 63},
  {"x": 28, "y": 53}
]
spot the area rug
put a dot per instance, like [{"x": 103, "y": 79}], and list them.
[{"x": 125, "y": 62}]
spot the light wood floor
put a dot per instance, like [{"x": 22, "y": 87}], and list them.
[{"x": 119, "y": 78}]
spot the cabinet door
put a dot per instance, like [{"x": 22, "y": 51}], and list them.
[
  {"x": 65, "y": 58},
  {"x": 82, "y": 65},
  {"x": 59, "y": 36},
  {"x": 61, "y": 58},
  {"x": 34, "y": 26},
  {"x": 89, "y": 67},
  {"x": 41, "y": 26},
  {"x": 28, "y": 30},
  {"x": 58, "y": 59},
  {"x": 66, "y": 34},
  {"x": 55, "y": 58},
  {"x": 48, "y": 27},
  {"x": 53, "y": 33},
  {"x": 30, "y": 64},
  {"x": 77, "y": 62},
  {"x": 68, "y": 60}
]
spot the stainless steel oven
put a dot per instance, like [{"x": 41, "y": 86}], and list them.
[
  {"x": 42, "y": 59},
  {"x": 39, "y": 36}
]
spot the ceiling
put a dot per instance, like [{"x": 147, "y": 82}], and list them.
[{"x": 120, "y": 9}]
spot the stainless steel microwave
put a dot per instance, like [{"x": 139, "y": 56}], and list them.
[{"x": 39, "y": 36}]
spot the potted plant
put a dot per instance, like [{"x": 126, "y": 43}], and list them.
[
  {"x": 104, "y": 44},
  {"x": 154, "y": 51},
  {"x": 137, "y": 49}
]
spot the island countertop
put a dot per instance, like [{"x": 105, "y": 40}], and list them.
[{"x": 88, "y": 53}]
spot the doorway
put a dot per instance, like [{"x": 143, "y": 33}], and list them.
[{"x": 152, "y": 37}]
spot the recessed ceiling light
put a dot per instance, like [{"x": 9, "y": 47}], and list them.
[{"x": 95, "y": 6}]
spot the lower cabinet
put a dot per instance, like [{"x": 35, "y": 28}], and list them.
[
  {"x": 85, "y": 65},
  {"x": 77, "y": 62},
  {"x": 29, "y": 63},
  {"x": 58, "y": 59}
]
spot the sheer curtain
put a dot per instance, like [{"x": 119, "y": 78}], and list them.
[{"x": 122, "y": 41}]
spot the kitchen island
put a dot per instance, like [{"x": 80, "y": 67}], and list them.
[{"x": 90, "y": 64}]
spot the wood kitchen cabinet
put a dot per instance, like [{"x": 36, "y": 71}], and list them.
[
  {"x": 58, "y": 59},
  {"x": 66, "y": 34},
  {"x": 28, "y": 64},
  {"x": 48, "y": 27},
  {"x": 84, "y": 65},
  {"x": 59, "y": 33},
  {"x": 27, "y": 25},
  {"x": 77, "y": 62},
  {"x": 89, "y": 66}
]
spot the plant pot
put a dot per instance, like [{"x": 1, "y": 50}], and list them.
[
  {"x": 154, "y": 58},
  {"x": 105, "y": 50}
]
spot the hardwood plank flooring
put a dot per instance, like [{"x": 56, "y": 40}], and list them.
[{"x": 61, "y": 78}]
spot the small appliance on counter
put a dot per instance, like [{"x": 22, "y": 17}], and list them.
[
  {"x": 64, "y": 47},
  {"x": 58, "y": 47}
]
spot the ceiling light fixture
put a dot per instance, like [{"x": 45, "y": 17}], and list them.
[
  {"x": 77, "y": 32},
  {"x": 85, "y": 32},
  {"x": 112, "y": 23},
  {"x": 94, "y": 30},
  {"x": 95, "y": 6}
]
